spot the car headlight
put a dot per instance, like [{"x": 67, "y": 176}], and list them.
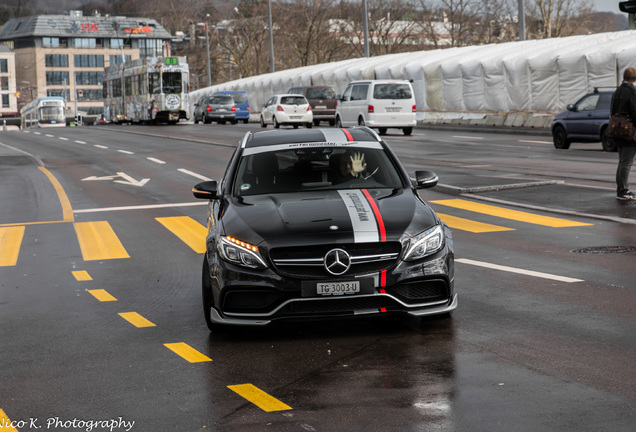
[
  {"x": 425, "y": 243},
  {"x": 238, "y": 252}
]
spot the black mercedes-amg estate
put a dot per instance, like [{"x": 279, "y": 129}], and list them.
[{"x": 322, "y": 223}]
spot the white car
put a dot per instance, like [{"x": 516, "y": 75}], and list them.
[
  {"x": 377, "y": 104},
  {"x": 287, "y": 109}
]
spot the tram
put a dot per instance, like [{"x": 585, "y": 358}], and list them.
[
  {"x": 44, "y": 112},
  {"x": 154, "y": 90}
]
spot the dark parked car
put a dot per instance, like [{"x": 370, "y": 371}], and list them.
[
  {"x": 218, "y": 108},
  {"x": 322, "y": 100},
  {"x": 294, "y": 235},
  {"x": 241, "y": 102},
  {"x": 584, "y": 121}
]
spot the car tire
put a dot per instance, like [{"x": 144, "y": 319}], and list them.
[
  {"x": 316, "y": 122},
  {"x": 207, "y": 121},
  {"x": 560, "y": 138},
  {"x": 310, "y": 125},
  {"x": 609, "y": 144},
  {"x": 276, "y": 124},
  {"x": 233, "y": 122},
  {"x": 407, "y": 131},
  {"x": 246, "y": 121},
  {"x": 332, "y": 122},
  {"x": 382, "y": 131},
  {"x": 338, "y": 122},
  {"x": 263, "y": 124},
  {"x": 361, "y": 121}
]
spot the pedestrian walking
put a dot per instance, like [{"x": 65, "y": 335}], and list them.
[{"x": 624, "y": 101}]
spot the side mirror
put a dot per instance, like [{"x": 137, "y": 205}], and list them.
[
  {"x": 205, "y": 190},
  {"x": 570, "y": 107},
  {"x": 425, "y": 179}
]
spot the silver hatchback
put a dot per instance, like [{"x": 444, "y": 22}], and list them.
[{"x": 218, "y": 108}]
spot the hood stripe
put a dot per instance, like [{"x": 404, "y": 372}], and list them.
[
  {"x": 378, "y": 215},
  {"x": 361, "y": 215}
]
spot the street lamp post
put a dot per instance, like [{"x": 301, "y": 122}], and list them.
[
  {"x": 365, "y": 23},
  {"x": 271, "y": 36},
  {"x": 207, "y": 48}
]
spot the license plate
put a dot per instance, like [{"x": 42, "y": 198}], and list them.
[
  {"x": 222, "y": 109},
  {"x": 338, "y": 288},
  {"x": 393, "y": 109},
  {"x": 295, "y": 117},
  {"x": 321, "y": 106}
]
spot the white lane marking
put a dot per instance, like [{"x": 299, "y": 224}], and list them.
[
  {"x": 467, "y": 137},
  {"x": 125, "y": 152},
  {"x": 80, "y": 142},
  {"x": 193, "y": 174},
  {"x": 535, "y": 142},
  {"x": 100, "y": 146},
  {"x": 49, "y": 135},
  {"x": 518, "y": 270},
  {"x": 143, "y": 207},
  {"x": 63, "y": 138},
  {"x": 159, "y": 161},
  {"x": 37, "y": 133}
]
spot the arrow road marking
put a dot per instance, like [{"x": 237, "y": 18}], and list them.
[
  {"x": 127, "y": 180},
  {"x": 131, "y": 181}
]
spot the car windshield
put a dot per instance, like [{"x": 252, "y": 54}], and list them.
[
  {"x": 320, "y": 93},
  {"x": 239, "y": 97},
  {"x": 392, "y": 91},
  {"x": 316, "y": 168},
  {"x": 293, "y": 100},
  {"x": 221, "y": 100}
]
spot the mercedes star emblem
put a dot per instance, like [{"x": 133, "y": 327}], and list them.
[{"x": 337, "y": 261}]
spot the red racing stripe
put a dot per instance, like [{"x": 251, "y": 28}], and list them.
[
  {"x": 348, "y": 134},
  {"x": 378, "y": 216}
]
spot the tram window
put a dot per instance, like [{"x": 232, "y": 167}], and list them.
[
  {"x": 154, "y": 85},
  {"x": 172, "y": 82}
]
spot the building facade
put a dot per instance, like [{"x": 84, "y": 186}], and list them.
[
  {"x": 65, "y": 55},
  {"x": 8, "y": 91}
]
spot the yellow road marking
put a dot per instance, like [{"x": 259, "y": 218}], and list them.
[
  {"x": 98, "y": 241},
  {"x": 67, "y": 210},
  {"x": 187, "y": 352},
  {"x": 102, "y": 295},
  {"x": 188, "y": 230},
  {"x": 470, "y": 225},
  {"x": 82, "y": 275},
  {"x": 135, "y": 319},
  {"x": 5, "y": 423},
  {"x": 509, "y": 214},
  {"x": 259, "y": 398},
  {"x": 10, "y": 241}
]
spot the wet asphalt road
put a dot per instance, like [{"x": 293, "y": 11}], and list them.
[{"x": 543, "y": 338}]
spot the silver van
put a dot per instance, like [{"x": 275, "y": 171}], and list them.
[{"x": 379, "y": 104}]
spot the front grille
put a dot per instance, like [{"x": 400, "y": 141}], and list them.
[
  {"x": 424, "y": 291},
  {"x": 307, "y": 262}
]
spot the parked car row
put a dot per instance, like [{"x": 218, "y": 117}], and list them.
[{"x": 378, "y": 104}]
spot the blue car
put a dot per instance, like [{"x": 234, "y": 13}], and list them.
[
  {"x": 241, "y": 102},
  {"x": 584, "y": 121}
]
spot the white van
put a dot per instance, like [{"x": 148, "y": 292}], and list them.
[{"x": 379, "y": 104}]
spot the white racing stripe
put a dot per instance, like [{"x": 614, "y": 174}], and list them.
[
  {"x": 517, "y": 270},
  {"x": 365, "y": 227}
]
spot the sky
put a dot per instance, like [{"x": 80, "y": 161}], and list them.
[{"x": 606, "y": 5}]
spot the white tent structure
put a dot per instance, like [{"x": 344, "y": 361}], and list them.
[{"x": 529, "y": 79}]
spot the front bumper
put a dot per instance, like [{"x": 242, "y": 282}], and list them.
[{"x": 257, "y": 321}]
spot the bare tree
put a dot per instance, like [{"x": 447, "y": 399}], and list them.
[{"x": 554, "y": 18}]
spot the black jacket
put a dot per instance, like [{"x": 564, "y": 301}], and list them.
[{"x": 624, "y": 100}]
